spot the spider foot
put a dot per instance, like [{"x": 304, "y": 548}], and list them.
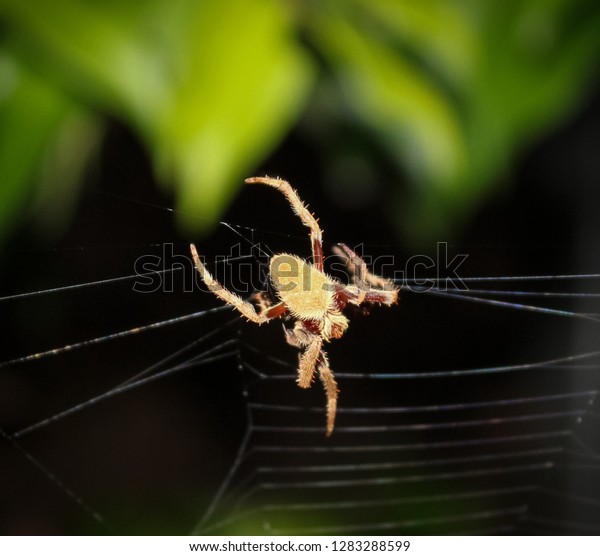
[
  {"x": 331, "y": 391},
  {"x": 331, "y": 411}
]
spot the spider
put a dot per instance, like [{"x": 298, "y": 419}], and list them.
[{"x": 309, "y": 297}]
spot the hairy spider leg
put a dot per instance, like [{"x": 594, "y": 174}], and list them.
[
  {"x": 353, "y": 294},
  {"x": 274, "y": 311},
  {"x": 355, "y": 265},
  {"x": 331, "y": 390},
  {"x": 358, "y": 268},
  {"x": 313, "y": 358},
  {"x": 300, "y": 209},
  {"x": 245, "y": 308},
  {"x": 369, "y": 288},
  {"x": 308, "y": 361}
]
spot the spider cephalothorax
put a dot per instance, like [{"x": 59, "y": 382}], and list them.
[{"x": 309, "y": 296}]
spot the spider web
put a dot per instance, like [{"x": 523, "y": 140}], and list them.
[
  {"x": 464, "y": 457},
  {"x": 433, "y": 436}
]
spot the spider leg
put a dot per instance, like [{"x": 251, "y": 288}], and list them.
[
  {"x": 299, "y": 208},
  {"x": 315, "y": 358},
  {"x": 308, "y": 361},
  {"x": 298, "y": 337},
  {"x": 368, "y": 287},
  {"x": 331, "y": 390},
  {"x": 245, "y": 308},
  {"x": 355, "y": 265},
  {"x": 356, "y": 296}
]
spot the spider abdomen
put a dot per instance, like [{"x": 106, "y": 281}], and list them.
[{"x": 307, "y": 292}]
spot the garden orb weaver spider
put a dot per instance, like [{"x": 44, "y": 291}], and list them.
[{"x": 308, "y": 296}]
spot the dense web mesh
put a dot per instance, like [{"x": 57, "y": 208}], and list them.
[{"x": 474, "y": 461}]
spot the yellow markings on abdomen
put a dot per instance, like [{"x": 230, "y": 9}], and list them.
[{"x": 307, "y": 292}]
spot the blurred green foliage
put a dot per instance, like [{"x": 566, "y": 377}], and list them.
[{"x": 450, "y": 90}]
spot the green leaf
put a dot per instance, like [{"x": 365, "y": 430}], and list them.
[
  {"x": 32, "y": 116},
  {"x": 416, "y": 121},
  {"x": 452, "y": 89},
  {"x": 210, "y": 86},
  {"x": 456, "y": 88},
  {"x": 244, "y": 83},
  {"x": 100, "y": 53}
]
